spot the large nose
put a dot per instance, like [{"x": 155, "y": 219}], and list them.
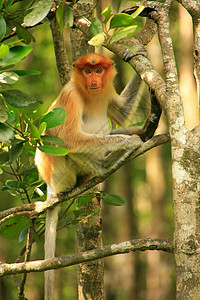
[{"x": 93, "y": 78}]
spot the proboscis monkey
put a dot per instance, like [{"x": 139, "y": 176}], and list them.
[{"x": 89, "y": 98}]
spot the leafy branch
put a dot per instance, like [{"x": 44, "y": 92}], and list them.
[{"x": 34, "y": 209}]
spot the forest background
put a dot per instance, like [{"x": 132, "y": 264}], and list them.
[{"x": 145, "y": 182}]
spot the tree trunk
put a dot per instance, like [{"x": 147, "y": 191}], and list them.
[
  {"x": 186, "y": 191},
  {"x": 90, "y": 275}
]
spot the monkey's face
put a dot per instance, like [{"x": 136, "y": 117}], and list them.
[{"x": 94, "y": 79}]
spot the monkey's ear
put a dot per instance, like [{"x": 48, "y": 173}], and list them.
[{"x": 75, "y": 68}]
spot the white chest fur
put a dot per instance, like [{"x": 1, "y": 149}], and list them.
[{"x": 95, "y": 124}]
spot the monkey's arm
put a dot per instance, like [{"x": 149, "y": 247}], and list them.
[
  {"x": 119, "y": 111},
  {"x": 121, "y": 106}
]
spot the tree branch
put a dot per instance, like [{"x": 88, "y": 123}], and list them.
[
  {"x": 27, "y": 258},
  {"x": 32, "y": 210},
  {"x": 170, "y": 98},
  {"x": 62, "y": 61},
  {"x": 70, "y": 260}
]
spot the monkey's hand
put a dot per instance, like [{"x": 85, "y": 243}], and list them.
[
  {"x": 132, "y": 141},
  {"x": 136, "y": 141},
  {"x": 128, "y": 55}
]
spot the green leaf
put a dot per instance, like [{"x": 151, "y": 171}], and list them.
[
  {"x": 31, "y": 176},
  {"x": 39, "y": 12},
  {"x": 83, "y": 199},
  {"x": 17, "y": 98},
  {"x": 53, "y": 150},
  {"x": 15, "y": 151},
  {"x": 8, "y": 3},
  {"x": 8, "y": 77},
  {"x": 26, "y": 72},
  {"x": 78, "y": 213},
  {"x": 33, "y": 130},
  {"x": 23, "y": 34},
  {"x": 4, "y": 157},
  {"x": 3, "y": 116},
  {"x": 1, "y": 4},
  {"x": 15, "y": 185},
  {"x": 30, "y": 149},
  {"x": 75, "y": 222},
  {"x": 97, "y": 40},
  {"x": 16, "y": 54},
  {"x": 68, "y": 16},
  {"x": 55, "y": 117},
  {"x": 4, "y": 49},
  {"x": 42, "y": 127},
  {"x": 2, "y": 27},
  {"x": 95, "y": 27},
  {"x": 121, "y": 20},
  {"x": 6, "y": 134},
  {"x": 64, "y": 16},
  {"x": 124, "y": 33},
  {"x": 13, "y": 227},
  {"x": 107, "y": 13},
  {"x": 113, "y": 199},
  {"x": 52, "y": 139},
  {"x": 12, "y": 118},
  {"x": 93, "y": 212},
  {"x": 60, "y": 15}
]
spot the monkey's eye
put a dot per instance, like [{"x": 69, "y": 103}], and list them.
[
  {"x": 87, "y": 71},
  {"x": 99, "y": 71}
]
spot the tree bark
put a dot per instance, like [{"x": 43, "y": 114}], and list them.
[
  {"x": 89, "y": 236},
  {"x": 186, "y": 191},
  {"x": 185, "y": 174},
  {"x": 62, "y": 61}
]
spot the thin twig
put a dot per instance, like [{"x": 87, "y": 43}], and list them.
[{"x": 27, "y": 257}]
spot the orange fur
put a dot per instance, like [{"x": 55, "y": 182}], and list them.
[
  {"x": 86, "y": 128},
  {"x": 77, "y": 101},
  {"x": 44, "y": 164},
  {"x": 86, "y": 134}
]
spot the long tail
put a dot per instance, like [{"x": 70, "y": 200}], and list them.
[{"x": 50, "y": 246}]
